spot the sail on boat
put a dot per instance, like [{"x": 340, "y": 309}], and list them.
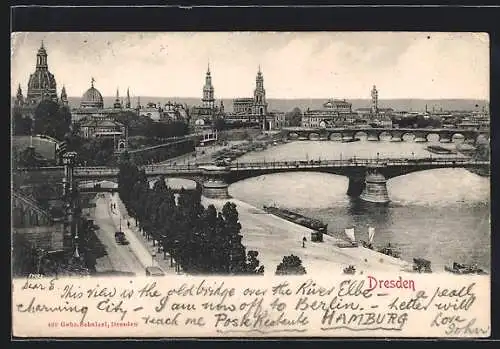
[
  {"x": 371, "y": 234},
  {"x": 350, "y": 234}
]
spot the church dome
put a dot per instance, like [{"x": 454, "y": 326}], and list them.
[
  {"x": 42, "y": 80},
  {"x": 92, "y": 98}
]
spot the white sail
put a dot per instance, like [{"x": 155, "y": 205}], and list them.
[
  {"x": 371, "y": 234},
  {"x": 350, "y": 234}
]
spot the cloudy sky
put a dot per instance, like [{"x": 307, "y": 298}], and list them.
[{"x": 295, "y": 65}]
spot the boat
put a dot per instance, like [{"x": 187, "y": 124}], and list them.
[
  {"x": 351, "y": 269},
  {"x": 436, "y": 149},
  {"x": 422, "y": 265},
  {"x": 350, "y": 140},
  {"x": 319, "y": 228},
  {"x": 371, "y": 235},
  {"x": 390, "y": 251},
  {"x": 349, "y": 232},
  {"x": 458, "y": 268}
]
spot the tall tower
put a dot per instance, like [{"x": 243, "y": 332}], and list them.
[
  {"x": 374, "y": 100},
  {"x": 64, "y": 96},
  {"x": 118, "y": 103},
  {"x": 42, "y": 84},
  {"x": 127, "y": 102},
  {"x": 259, "y": 96},
  {"x": 208, "y": 91},
  {"x": 19, "y": 97}
]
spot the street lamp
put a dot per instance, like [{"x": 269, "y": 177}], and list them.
[{"x": 153, "y": 255}]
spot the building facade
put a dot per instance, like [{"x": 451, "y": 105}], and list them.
[
  {"x": 254, "y": 109},
  {"x": 92, "y": 106},
  {"x": 335, "y": 113}
]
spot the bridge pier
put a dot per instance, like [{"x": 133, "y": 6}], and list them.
[
  {"x": 356, "y": 186},
  {"x": 420, "y": 137},
  {"x": 347, "y": 135},
  {"x": 375, "y": 187},
  {"x": 445, "y": 138},
  {"x": 396, "y": 136},
  {"x": 215, "y": 185},
  {"x": 373, "y": 136}
]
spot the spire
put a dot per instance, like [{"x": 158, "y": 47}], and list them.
[
  {"x": 117, "y": 94},
  {"x": 259, "y": 69},
  {"x": 127, "y": 102},
  {"x": 92, "y": 82},
  {"x": 208, "y": 67},
  {"x": 41, "y": 57},
  {"x": 64, "y": 97}
]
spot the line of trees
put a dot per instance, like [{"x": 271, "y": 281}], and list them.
[{"x": 201, "y": 240}]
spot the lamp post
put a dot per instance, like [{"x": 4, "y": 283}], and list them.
[{"x": 153, "y": 255}]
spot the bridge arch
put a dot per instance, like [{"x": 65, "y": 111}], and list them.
[
  {"x": 314, "y": 136},
  {"x": 335, "y": 136},
  {"x": 408, "y": 136},
  {"x": 361, "y": 134},
  {"x": 433, "y": 137},
  {"x": 385, "y": 135}
]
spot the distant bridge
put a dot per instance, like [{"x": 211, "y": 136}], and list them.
[
  {"x": 373, "y": 134},
  {"x": 367, "y": 177}
]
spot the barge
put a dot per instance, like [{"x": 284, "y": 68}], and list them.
[
  {"x": 436, "y": 149},
  {"x": 319, "y": 228}
]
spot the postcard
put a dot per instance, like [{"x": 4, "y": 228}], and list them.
[{"x": 250, "y": 184}]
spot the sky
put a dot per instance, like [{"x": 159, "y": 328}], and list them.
[{"x": 294, "y": 64}]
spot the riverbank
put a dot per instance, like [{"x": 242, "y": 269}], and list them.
[{"x": 274, "y": 238}]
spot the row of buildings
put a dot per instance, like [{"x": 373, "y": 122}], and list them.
[{"x": 97, "y": 120}]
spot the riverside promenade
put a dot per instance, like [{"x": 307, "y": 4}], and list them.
[{"x": 274, "y": 238}]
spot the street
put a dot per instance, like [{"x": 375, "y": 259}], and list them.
[{"x": 119, "y": 257}]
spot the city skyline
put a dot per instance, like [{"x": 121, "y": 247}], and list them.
[{"x": 294, "y": 65}]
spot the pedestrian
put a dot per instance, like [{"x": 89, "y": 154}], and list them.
[
  {"x": 128, "y": 224},
  {"x": 304, "y": 242}
]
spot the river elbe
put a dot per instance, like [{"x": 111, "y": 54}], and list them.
[{"x": 442, "y": 215}]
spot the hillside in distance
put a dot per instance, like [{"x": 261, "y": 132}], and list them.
[{"x": 286, "y": 105}]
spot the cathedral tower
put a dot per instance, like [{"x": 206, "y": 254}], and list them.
[
  {"x": 208, "y": 91},
  {"x": 259, "y": 96}
]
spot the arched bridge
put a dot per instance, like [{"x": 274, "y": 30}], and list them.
[
  {"x": 373, "y": 134},
  {"x": 367, "y": 177}
]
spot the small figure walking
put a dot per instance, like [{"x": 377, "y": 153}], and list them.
[
  {"x": 304, "y": 242},
  {"x": 128, "y": 224}
]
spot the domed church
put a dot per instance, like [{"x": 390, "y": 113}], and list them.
[
  {"x": 92, "y": 98},
  {"x": 41, "y": 86}
]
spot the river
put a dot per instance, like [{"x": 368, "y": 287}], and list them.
[{"x": 442, "y": 215}]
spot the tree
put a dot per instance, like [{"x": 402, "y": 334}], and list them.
[
  {"x": 52, "y": 120},
  {"x": 252, "y": 263},
  {"x": 22, "y": 125},
  {"x": 290, "y": 265},
  {"x": 294, "y": 117}
]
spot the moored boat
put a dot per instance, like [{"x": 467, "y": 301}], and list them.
[
  {"x": 351, "y": 242},
  {"x": 389, "y": 250},
  {"x": 458, "y": 268},
  {"x": 351, "y": 269},
  {"x": 422, "y": 265}
]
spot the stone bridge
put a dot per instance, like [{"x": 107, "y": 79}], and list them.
[
  {"x": 367, "y": 177},
  {"x": 373, "y": 134}
]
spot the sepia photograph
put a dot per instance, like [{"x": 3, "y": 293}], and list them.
[{"x": 254, "y": 154}]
